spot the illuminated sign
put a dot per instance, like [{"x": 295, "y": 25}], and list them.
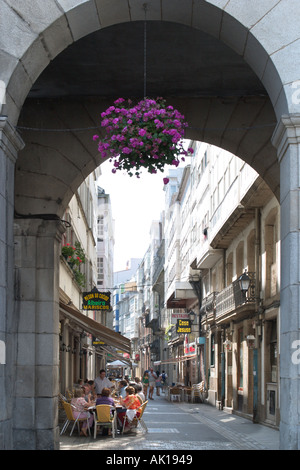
[
  {"x": 95, "y": 300},
  {"x": 183, "y": 327}
]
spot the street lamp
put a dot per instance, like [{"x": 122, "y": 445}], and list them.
[
  {"x": 192, "y": 316},
  {"x": 244, "y": 282}
]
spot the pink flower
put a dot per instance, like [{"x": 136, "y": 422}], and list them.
[
  {"x": 95, "y": 137},
  {"x": 166, "y": 180},
  {"x": 119, "y": 101}
]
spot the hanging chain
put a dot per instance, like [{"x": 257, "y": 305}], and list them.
[{"x": 145, "y": 50}]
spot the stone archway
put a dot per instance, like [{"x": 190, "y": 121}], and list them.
[{"x": 264, "y": 35}]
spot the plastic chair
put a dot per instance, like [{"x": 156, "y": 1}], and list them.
[
  {"x": 134, "y": 420},
  {"x": 71, "y": 418},
  {"x": 103, "y": 417},
  {"x": 69, "y": 394},
  {"x": 175, "y": 394},
  {"x": 187, "y": 394},
  {"x": 61, "y": 400},
  {"x": 198, "y": 392}
]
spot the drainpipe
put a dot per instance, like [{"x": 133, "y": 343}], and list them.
[
  {"x": 257, "y": 257},
  {"x": 256, "y": 368}
]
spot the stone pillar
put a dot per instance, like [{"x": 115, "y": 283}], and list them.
[
  {"x": 10, "y": 144},
  {"x": 286, "y": 139},
  {"x": 36, "y": 387}
]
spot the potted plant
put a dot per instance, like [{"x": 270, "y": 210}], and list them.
[{"x": 75, "y": 256}]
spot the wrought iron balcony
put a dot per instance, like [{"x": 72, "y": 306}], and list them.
[
  {"x": 230, "y": 298},
  {"x": 209, "y": 305}
]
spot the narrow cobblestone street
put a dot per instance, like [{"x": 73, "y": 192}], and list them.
[{"x": 182, "y": 426}]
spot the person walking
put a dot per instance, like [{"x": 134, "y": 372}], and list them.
[
  {"x": 152, "y": 381},
  {"x": 145, "y": 382}
]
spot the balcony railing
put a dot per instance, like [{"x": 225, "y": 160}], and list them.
[
  {"x": 209, "y": 304},
  {"x": 232, "y": 297}
]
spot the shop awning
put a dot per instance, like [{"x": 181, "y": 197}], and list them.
[
  {"x": 115, "y": 355},
  {"x": 175, "y": 360},
  {"x": 110, "y": 337}
]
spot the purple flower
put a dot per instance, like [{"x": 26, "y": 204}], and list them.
[
  {"x": 147, "y": 131},
  {"x": 166, "y": 180}
]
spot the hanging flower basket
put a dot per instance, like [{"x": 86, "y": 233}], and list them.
[{"x": 147, "y": 135}]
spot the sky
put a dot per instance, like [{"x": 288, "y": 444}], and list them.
[{"x": 135, "y": 203}]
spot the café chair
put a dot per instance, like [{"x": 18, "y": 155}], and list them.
[
  {"x": 187, "y": 391},
  {"x": 134, "y": 420},
  {"x": 61, "y": 400},
  {"x": 71, "y": 418},
  {"x": 175, "y": 394},
  {"x": 198, "y": 392},
  {"x": 103, "y": 417}
]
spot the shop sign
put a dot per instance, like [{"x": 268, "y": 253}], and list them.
[
  {"x": 97, "y": 341},
  {"x": 95, "y": 300},
  {"x": 180, "y": 316},
  {"x": 183, "y": 327}
]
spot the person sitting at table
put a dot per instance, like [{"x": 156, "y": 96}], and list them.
[
  {"x": 81, "y": 409},
  {"x": 139, "y": 392},
  {"x": 87, "y": 392},
  {"x": 122, "y": 388},
  {"x": 105, "y": 398},
  {"x": 130, "y": 402},
  {"x": 91, "y": 383}
]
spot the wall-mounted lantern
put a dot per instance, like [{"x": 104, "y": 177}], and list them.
[
  {"x": 244, "y": 282},
  {"x": 227, "y": 345},
  {"x": 250, "y": 341}
]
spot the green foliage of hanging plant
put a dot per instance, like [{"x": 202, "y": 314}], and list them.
[
  {"x": 79, "y": 278},
  {"x": 75, "y": 257},
  {"x": 146, "y": 135}
]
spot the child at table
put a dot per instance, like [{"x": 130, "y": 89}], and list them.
[{"x": 80, "y": 409}]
